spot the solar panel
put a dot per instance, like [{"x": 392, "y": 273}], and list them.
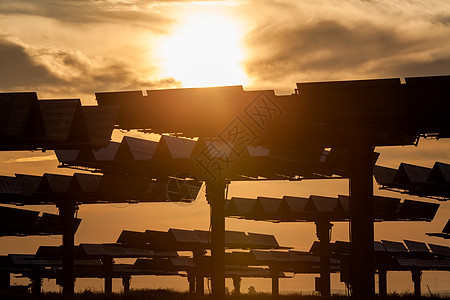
[
  {"x": 175, "y": 148},
  {"x": 133, "y": 149},
  {"x": 385, "y": 208},
  {"x": 186, "y": 236},
  {"x": 84, "y": 183},
  {"x": 263, "y": 241},
  {"x": 15, "y": 109},
  {"x": 59, "y": 115},
  {"x": 410, "y": 209},
  {"x": 132, "y": 237},
  {"x": 54, "y": 183},
  {"x": 53, "y": 224},
  {"x": 322, "y": 204},
  {"x": 293, "y": 204},
  {"x": 417, "y": 247},
  {"x": 384, "y": 175},
  {"x": 440, "y": 250},
  {"x": 411, "y": 174},
  {"x": 447, "y": 227},
  {"x": 267, "y": 205},
  {"x": 100, "y": 123},
  {"x": 394, "y": 247},
  {"x": 440, "y": 173},
  {"x": 240, "y": 206}
]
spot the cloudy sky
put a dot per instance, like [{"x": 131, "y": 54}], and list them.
[{"x": 71, "y": 49}]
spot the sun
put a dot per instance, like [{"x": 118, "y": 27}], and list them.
[{"x": 204, "y": 50}]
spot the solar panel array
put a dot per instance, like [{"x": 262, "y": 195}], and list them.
[
  {"x": 300, "y": 209},
  {"x": 416, "y": 180},
  {"x": 27, "y": 123},
  {"x": 321, "y": 113},
  {"x": 88, "y": 188},
  {"x": 189, "y": 240},
  {"x": 21, "y": 222},
  {"x": 205, "y": 159},
  {"x": 398, "y": 256}
]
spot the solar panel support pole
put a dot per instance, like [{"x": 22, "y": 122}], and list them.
[
  {"x": 191, "y": 281},
  {"x": 199, "y": 279},
  {"x": 36, "y": 281},
  {"x": 361, "y": 218},
  {"x": 382, "y": 283},
  {"x": 108, "y": 268},
  {"x": 215, "y": 192},
  {"x": 323, "y": 230},
  {"x": 274, "y": 273},
  {"x": 417, "y": 279},
  {"x": 67, "y": 211},
  {"x": 126, "y": 283},
  {"x": 237, "y": 285}
]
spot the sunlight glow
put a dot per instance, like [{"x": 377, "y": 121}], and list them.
[{"x": 204, "y": 50}]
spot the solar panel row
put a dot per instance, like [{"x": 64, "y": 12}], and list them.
[
  {"x": 300, "y": 209},
  {"x": 27, "y": 123}
]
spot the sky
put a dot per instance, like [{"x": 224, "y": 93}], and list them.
[{"x": 72, "y": 49}]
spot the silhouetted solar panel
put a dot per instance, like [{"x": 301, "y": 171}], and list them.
[
  {"x": 447, "y": 227},
  {"x": 384, "y": 175},
  {"x": 293, "y": 204},
  {"x": 417, "y": 247},
  {"x": 322, "y": 204},
  {"x": 132, "y": 237},
  {"x": 115, "y": 251},
  {"x": 240, "y": 206},
  {"x": 174, "y": 148},
  {"x": 410, "y": 209},
  {"x": 100, "y": 122},
  {"x": 63, "y": 120},
  {"x": 54, "y": 183},
  {"x": 263, "y": 241},
  {"x": 133, "y": 149},
  {"x": 411, "y": 174},
  {"x": 50, "y": 223},
  {"x": 394, "y": 247},
  {"x": 28, "y": 183},
  {"x": 266, "y": 206},
  {"x": 84, "y": 183},
  {"x": 440, "y": 173},
  {"x": 445, "y": 232},
  {"x": 440, "y": 250},
  {"x": 386, "y": 208}
]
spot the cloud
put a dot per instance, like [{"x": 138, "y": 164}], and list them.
[
  {"x": 64, "y": 72},
  {"x": 346, "y": 40},
  {"x": 30, "y": 159}
]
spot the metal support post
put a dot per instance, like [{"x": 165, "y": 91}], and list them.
[
  {"x": 237, "y": 285},
  {"x": 275, "y": 274},
  {"x": 323, "y": 230},
  {"x": 361, "y": 220},
  {"x": 215, "y": 192},
  {"x": 36, "y": 281},
  {"x": 191, "y": 281},
  {"x": 126, "y": 280},
  {"x": 107, "y": 269},
  {"x": 417, "y": 279},
  {"x": 5, "y": 279},
  {"x": 67, "y": 212},
  {"x": 199, "y": 286},
  {"x": 382, "y": 283}
]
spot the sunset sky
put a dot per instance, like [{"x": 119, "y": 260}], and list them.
[{"x": 72, "y": 49}]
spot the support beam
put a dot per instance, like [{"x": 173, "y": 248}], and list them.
[
  {"x": 417, "y": 279},
  {"x": 67, "y": 210},
  {"x": 275, "y": 273},
  {"x": 191, "y": 281},
  {"x": 237, "y": 285},
  {"x": 126, "y": 280},
  {"x": 36, "y": 281},
  {"x": 382, "y": 283},
  {"x": 323, "y": 231},
  {"x": 215, "y": 191},
  {"x": 107, "y": 269},
  {"x": 199, "y": 280},
  {"x": 361, "y": 220}
]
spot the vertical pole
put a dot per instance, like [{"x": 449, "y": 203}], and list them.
[
  {"x": 361, "y": 219},
  {"x": 274, "y": 272},
  {"x": 382, "y": 283},
  {"x": 67, "y": 212},
  {"x": 417, "y": 278},
  {"x": 108, "y": 268},
  {"x": 36, "y": 281},
  {"x": 199, "y": 271},
  {"x": 5, "y": 279},
  {"x": 215, "y": 192},
  {"x": 323, "y": 227},
  {"x": 126, "y": 283},
  {"x": 237, "y": 285},
  {"x": 191, "y": 281}
]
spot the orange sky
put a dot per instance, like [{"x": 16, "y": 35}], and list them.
[{"x": 72, "y": 49}]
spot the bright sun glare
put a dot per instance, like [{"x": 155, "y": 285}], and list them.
[{"x": 204, "y": 50}]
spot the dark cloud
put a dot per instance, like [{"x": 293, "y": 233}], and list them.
[
  {"x": 325, "y": 46},
  {"x": 20, "y": 71},
  {"x": 84, "y": 12}
]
